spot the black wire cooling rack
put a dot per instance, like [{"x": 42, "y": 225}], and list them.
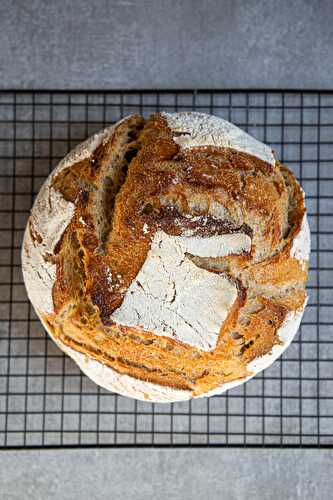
[{"x": 44, "y": 399}]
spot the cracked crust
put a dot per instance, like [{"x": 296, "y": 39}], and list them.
[{"x": 168, "y": 258}]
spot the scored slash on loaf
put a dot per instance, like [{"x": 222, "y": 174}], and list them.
[{"x": 168, "y": 257}]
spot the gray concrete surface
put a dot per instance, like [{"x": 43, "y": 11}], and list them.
[
  {"x": 169, "y": 43},
  {"x": 167, "y": 474}
]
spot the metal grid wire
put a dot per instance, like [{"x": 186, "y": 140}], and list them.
[{"x": 44, "y": 399}]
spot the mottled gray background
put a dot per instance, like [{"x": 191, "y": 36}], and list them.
[
  {"x": 170, "y": 43},
  {"x": 233, "y": 474},
  {"x": 166, "y": 44}
]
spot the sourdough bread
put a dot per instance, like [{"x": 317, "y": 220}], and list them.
[{"x": 168, "y": 257}]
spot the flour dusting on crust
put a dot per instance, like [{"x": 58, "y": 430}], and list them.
[
  {"x": 301, "y": 245},
  {"x": 173, "y": 297},
  {"x": 50, "y": 217},
  {"x": 39, "y": 274},
  {"x": 200, "y": 129}
]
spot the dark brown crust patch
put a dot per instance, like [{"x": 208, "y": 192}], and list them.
[{"x": 171, "y": 221}]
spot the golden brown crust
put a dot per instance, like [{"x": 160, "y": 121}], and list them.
[{"x": 162, "y": 188}]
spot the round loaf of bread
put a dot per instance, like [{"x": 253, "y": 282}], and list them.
[{"x": 168, "y": 256}]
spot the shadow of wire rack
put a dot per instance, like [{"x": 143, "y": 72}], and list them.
[{"x": 44, "y": 399}]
